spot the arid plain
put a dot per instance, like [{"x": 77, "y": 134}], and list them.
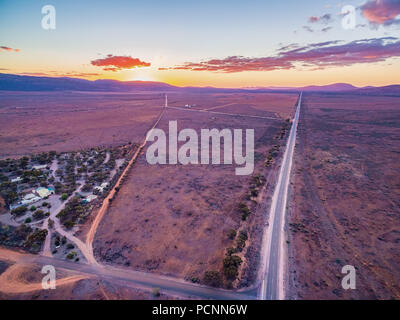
[{"x": 345, "y": 197}]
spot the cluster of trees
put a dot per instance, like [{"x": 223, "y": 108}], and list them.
[
  {"x": 257, "y": 181},
  {"x": 44, "y": 157},
  {"x": 231, "y": 266},
  {"x": 74, "y": 211},
  {"x": 23, "y": 236},
  {"x": 213, "y": 279},
  {"x": 35, "y": 240},
  {"x": 8, "y": 192},
  {"x": 40, "y": 214},
  {"x": 284, "y": 129},
  {"x": 231, "y": 263},
  {"x": 241, "y": 240},
  {"x": 32, "y": 177},
  {"x": 243, "y": 210},
  {"x": 273, "y": 153},
  {"x": 60, "y": 241},
  {"x": 19, "y": 211},
  {"x": 240, "y": 243}
]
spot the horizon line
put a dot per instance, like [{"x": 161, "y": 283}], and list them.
[{"x": 271, "y": 87}]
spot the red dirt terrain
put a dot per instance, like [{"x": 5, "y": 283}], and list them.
[
  {"x": 174, "y": 219},
  {"x": 23, "y": 282},
  {"x": 345, "y": 198},
  {"x": 32, "y": 122}
]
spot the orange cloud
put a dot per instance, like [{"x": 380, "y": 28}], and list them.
[
  {"x": 4, "y": 48},
  {"x": 116, "y": 63},
  {"x": 315, "y": 56},
  {"x": 381, "y": 11}
]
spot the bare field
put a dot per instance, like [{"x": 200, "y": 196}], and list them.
[
  {"x": 32, "y": 122},
  {"x": 174, "y": 219},
  {"x": 345, "y": 198},
  {"x": 261, "y": 104}
]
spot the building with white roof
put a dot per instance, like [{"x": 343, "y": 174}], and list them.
[
  {"x": 91, "y": 197},
  {"x": 44, "y": 192},
  {"x": 38, "y": 167}
]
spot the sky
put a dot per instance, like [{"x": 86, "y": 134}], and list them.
[{"x": 206, "y": 43}]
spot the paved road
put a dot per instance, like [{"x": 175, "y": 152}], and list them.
[{"x": 273, "y": 255}]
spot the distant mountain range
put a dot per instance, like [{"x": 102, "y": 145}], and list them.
[{"x": 12, "y": 82}]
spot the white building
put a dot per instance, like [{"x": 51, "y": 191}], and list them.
[
  {"x": 29, "y": 201},
  {"x": 39, "y": 167},
  {"x": 91, "y": 197},
  {"x": 29, "y": 196},
  {"x": 44, "y": 192},
  {"x": 104, "y": 185},
  {"x": 101, "y": 187}
]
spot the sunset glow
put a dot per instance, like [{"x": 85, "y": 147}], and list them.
[{"x": 264, "y": 50}]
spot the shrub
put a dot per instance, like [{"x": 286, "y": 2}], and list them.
[
  {"x": 69, "y": 224},
  {"x": 212, "y": 278},
  {"x": 231, "y": 234},
  {"x": 244, "y": 210},
  {"x": 195, "y": 280},
  {"x": 71, "y": 255},
  {"x": 156, "y": 292},
  {"x": 36, "y": 238},
  {"x": 33, "y": 208},
  {"x": 38, "y": 214},
  {"x": 64, "y": 197},
  {"x": 230, "y": 251},
  {"x": 241, "y": 240},
  {"x": 231, "y": 266},
  {"x": 254, "y": 192},
  {"x": 28, "y": 220},
  {"x": 19, "y": 211}
]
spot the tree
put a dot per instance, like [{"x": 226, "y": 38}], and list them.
[
  {"x": 38, "y": 214},
  {"x": 19, "y": 211},
  {"x": 241, "y": 240},
  {"x": 231, "y": 266},
  {"x": 212, "y": 278},
  {"x": 156, "y": 292},
  {"x": 231, "y": 234}
]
